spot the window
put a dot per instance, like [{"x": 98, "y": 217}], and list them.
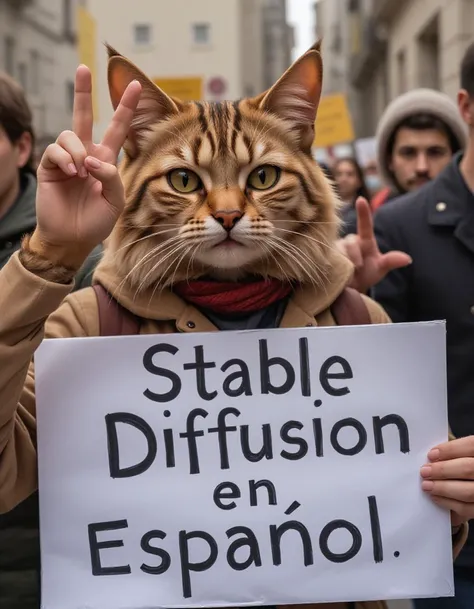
[
  {"x": 70, "y": 96},
  {"x": 67, "y": 17},
  {"x": 142, "y": 34},
  {"x": 23, "y": 75},
  {"x": 401, "y": 72},
  {"x": 201, "y": 33},
  {"x": 35, "y": 75},
  {"x": 10, "y": 55}
]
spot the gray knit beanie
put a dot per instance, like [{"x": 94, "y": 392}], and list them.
[{"x": 418, "y": 101}]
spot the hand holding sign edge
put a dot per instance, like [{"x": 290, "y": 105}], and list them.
[
  {"x": 449, "y": 478},
  {"x": 80, "y": 194}
]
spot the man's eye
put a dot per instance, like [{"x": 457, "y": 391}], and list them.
[{"x": 437, "y": 152}]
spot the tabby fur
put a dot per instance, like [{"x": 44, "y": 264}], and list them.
[{"x": 164, "y": 236}]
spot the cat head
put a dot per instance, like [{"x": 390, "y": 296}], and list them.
[{"x": 224, "y": 189}]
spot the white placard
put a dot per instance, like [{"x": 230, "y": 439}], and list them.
[{"x": 285, "y": 470}]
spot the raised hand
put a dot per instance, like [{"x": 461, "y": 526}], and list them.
[
  {"x": 370, "y": 264},
  {"x": 80, "y": 195}
]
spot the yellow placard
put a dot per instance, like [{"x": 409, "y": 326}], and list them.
[
  {"x": 87, "y": 48},
  {"x": 333, "y": 123},
  {"x": 185, "y": 89}
]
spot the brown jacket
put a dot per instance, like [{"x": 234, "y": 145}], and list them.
[{"x": 31, "y": 308}]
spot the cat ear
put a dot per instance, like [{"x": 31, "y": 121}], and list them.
[
  {"x": 317, "y": 46},
  {"x": 154, "y": 105},
  {"x": 295, "y": 97}
]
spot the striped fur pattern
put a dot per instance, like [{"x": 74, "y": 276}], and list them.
[{"x": 225, "y": 228}]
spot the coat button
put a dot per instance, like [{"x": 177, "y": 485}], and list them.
[
  {"x": 191, "y": 324},
  {"x": 441, "y": 206}
]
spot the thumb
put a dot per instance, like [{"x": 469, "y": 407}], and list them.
[
  {"x": 108, "y": 176},
  {"x": 394, "y": 260}
]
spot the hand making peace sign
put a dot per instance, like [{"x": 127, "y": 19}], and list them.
[
  {"x": 370, "y": 264},
  {"x": 80, "y": 195}
]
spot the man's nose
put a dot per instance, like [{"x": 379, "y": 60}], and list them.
[{"x": 422, "y": 166}]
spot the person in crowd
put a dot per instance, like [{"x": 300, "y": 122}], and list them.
[
  {"x": 327, "y": 171},
  {"x": 350, "y": 184},
  {"x": 419, "y": 263},
  {"x": 18, "y": 176},
  {"x": 417, "y": 136},
  {"x": 373, "y": 181},
  {"x": 19, "y": 536}
]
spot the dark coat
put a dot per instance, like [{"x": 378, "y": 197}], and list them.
[
  {"x": 435, "y": 226},
  {"x": 349, "y": 221}
]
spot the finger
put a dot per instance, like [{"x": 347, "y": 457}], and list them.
[
  {"x": 460, "y": 511},
  {"x": 112, "y": 187},
  {"x": 73, "y": 145},
  {"x": 56, "y": 157},
  {"x": 455, "y": 449},
  {"x": 456, "y": 469},
  {"x": 82, "y": 118},
  {"x": 353, "y": 251},
  {"x": 365, "y": 225},
  {"x": 118, "y": 129},
  {"x": 459, "y": 490},
  {"x": 394, "y": 260}
]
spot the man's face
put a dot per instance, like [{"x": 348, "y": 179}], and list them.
[
  {"x": 8, "y": 164},
  {"x": 12, "y": 158},
  {"x": 418, "y": 156}
]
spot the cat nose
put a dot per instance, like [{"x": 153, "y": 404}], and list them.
[{"x": 227, "y": 219}]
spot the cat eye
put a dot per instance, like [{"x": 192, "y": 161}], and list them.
[
  {"x": 264, "y": 177},
  {"x": 184, "y": 180}
]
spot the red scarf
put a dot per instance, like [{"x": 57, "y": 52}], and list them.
[{"x": 229, "y": 297}]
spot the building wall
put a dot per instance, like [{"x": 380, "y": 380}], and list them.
[
  {"x": 277, "y": 40},
  {"x": 234, "y": 51},
  {"x": 453, "y": 21},
  {"x": 35, "y": 49},
  {"x": 421, "y": 44},
  {"x": 332, "y": 30},
  {"x": 252, "y": 47},
  {"x": 172, "y": 50}
]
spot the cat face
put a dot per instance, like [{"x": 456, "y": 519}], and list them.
[{"x": 223, "y": 189}]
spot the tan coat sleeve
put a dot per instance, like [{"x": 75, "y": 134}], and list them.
[
  {"x": 376, "y": 312},
  {"x": 26, "y": 302}
]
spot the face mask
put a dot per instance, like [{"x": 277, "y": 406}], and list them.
[{"x": 373, "y": 182}]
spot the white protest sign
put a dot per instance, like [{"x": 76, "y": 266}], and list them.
[{"x": 241, "y": 468}]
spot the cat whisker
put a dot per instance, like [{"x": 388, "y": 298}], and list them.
[
  {"x": 170, "y": 230},
  {"x": 329, "y": 246},
  {"x": 290, "y": 252},
  {"x": 191, "y": 259},
  {"x": 292, "y": 232},
  {"x": 156, "y": 250},
  {"x": 303, "y": 222},
  {"x": 161, "y": 261},
  {"x": 297, "y": 250},
  {"x": 171, "y": 282},
  {"x": 159, "y": 224},
  {"x": 162, "y": 283},
  {"x": 275, "y": 260}
]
